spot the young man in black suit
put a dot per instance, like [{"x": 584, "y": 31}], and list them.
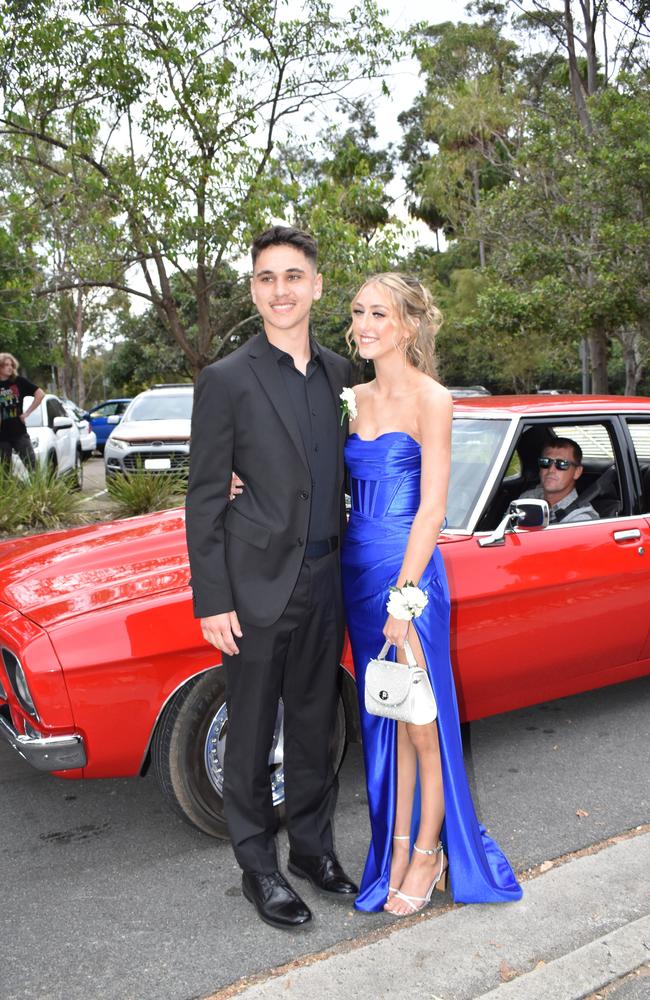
[{"x": 265, "y": 570}]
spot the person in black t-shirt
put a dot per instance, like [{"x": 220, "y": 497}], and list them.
[{"x": 13, "y": 434}]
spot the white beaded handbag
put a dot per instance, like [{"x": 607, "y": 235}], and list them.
[{"x": 399, "y": 691}]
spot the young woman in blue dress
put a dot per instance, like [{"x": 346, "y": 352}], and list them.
[{"x": 398, "y": 454}]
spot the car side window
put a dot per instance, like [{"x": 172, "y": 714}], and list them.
[
  {"x": 640, "y": 434},
  {"x": 599, "y": 484},
  {"x": 106, "y": 410},
  {"x": 54, "y": 409}
]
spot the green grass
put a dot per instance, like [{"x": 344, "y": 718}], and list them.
[
  {"x": 39, "y": 503},
  {"x": 145, "y": 492}
]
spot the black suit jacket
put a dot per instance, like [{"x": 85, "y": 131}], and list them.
[{"x": 246, "y": 555}]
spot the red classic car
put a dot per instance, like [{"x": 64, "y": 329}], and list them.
[{"x": 103, "y": 670}]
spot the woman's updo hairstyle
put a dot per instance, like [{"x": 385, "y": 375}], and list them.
[{"x": 418, "y": 315}]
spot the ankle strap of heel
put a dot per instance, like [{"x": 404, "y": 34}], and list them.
[{"x": 421, "y": 850}]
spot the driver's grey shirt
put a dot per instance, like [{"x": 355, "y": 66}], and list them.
[{"x": 586, "y": 513}]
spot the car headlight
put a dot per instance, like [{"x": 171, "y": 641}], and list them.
[
  {"x": 19, "y": 681},
  {"x": 118, "y": 443}
]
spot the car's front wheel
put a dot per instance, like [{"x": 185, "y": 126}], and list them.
[{"x": 188, "y": 752}]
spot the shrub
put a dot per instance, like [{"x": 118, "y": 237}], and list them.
[
  {"x": 145, "y": 492},
  {"x": 39, "y": 502}
]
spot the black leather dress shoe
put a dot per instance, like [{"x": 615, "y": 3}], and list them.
[
  {"x": 324, "y": 872},
  {"x": 275, "y": 900}
]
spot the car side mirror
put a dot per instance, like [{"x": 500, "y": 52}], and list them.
[
  {"x": 113, "y": 419},
  {"x": 61, "y": 423},
  {"x": 521, "y": 514},
  {"x": 530, "y": 513}
]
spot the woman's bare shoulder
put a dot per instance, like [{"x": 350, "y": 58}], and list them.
[{"x": 433, "y": 395}]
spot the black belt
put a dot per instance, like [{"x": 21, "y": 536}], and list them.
[{"x": 316, "y": 550}]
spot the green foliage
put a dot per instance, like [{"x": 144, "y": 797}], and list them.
[
  {"x": 25, "y": 325},
  {"x": 145, "y": 492},
  {"x": 146, "y": 352},
  {"x": 154, "y": 127},
  {"x": 552, "y": 190},
  {"x": 466, "y": 114},
  {"x": 39, "y": 502}
]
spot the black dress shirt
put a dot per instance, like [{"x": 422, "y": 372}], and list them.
[{"x": 316, "y": 413}]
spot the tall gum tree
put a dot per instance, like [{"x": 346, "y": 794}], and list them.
[
  {"x": 559, "y": 210},
  {"x": 599, "y": 40}
]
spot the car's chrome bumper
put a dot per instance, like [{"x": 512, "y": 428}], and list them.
[{"x": 46, "y": 753}]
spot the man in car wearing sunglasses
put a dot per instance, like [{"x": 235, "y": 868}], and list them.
[{"x": 560, "y": 467}]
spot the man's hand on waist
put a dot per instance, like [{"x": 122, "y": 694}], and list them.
[{"x": 220, "y": 631}]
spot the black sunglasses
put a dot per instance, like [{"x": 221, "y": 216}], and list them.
[{"x": 560, "y": 463}]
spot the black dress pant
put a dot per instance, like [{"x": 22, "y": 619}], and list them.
[
  {"x": 295, "y": 659},
  {"x": 23, "y": 447}
]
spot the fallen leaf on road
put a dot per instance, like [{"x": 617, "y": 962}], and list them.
[
  {"x": 507, "y": 972},
  {"x": 545, "y": 865},
  {"x": 540, "y": 963},
  {"x": 581, "y": 813}
]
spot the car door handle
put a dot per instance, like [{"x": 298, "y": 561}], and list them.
[{"x": 630, "y": 535}]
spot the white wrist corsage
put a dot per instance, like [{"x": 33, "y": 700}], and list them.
[
  {"x": 348, "y": 404},
  {"x": 407, "y": 602}
]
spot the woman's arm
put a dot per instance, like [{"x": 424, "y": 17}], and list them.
[{"x": 434, "y": 422}]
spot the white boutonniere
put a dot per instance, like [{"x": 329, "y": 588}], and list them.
[
  {"x": 407, "y": 602},
  {"x": 348, "y": 404}
]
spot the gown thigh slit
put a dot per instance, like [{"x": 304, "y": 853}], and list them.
[{"x": 385, "y": 490}]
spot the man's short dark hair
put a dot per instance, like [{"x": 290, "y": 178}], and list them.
[
  {"x": 567, "y": 443},
  {"x": 278, "y": 236}
]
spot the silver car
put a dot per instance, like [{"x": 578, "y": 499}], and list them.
[{"x": 154, "y": 433}]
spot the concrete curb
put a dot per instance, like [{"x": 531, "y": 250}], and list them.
[
  {"x": 580, "y": 925},
  {"x": 576, "y": 976}
]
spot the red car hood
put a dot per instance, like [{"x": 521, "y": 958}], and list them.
[{"x": 60, "y": 574}]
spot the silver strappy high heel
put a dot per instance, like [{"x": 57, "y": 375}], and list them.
[{"x": 439, "y": 882}]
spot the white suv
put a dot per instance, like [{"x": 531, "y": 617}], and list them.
[
  {"x": 55, "y": 438},
  {"x": 154, "y": 433}
]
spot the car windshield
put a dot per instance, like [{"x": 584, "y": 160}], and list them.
[
  {"x": 475, "y": 444},
  {"x": 35, "y": 419},
  {"x": 163, "y": 407}
]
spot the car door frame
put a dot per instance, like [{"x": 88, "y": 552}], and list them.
[{"x": 494, "y": 613}]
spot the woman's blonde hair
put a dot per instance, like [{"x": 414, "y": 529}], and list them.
[
  {"x": 418, "y": 315},
  {"x": 9, "y": 357}
]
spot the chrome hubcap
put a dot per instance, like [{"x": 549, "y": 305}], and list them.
[{"x": 215, "y": 749}]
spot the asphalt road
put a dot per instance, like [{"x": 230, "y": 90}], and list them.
[
  {"x": 94, "y": 499},
  {"x": 108, "y": 896}
]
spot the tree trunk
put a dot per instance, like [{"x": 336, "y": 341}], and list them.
[
  {"x": 630, "y": 342},
  {"x": 576, "y": 81},
  {"x": 598, "y": 361},
  {"x": 80, "y": 396},
  {"x": 477, "y": 200},
  {"x": 64, "y": 370}
]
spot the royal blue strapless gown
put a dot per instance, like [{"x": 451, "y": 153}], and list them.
[{"x": 385, "y": 490}]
